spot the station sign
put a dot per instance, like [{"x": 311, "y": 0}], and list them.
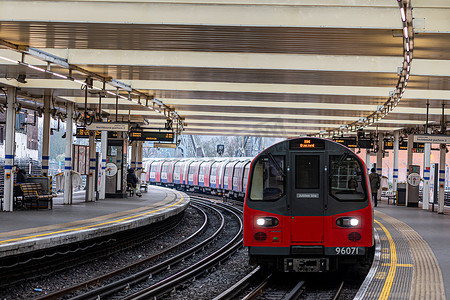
[
  {"x": 108, "y": 126},
  {"x": 432, "y": 138},
  {"x": 164, "y": 145},
  {"x": 151, "y": 136},
  {"x": 351, "y": 142}
]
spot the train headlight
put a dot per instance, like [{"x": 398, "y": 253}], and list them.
[
  {"x": 267, "y": 221},
  {"x": 348, "y": 222}
]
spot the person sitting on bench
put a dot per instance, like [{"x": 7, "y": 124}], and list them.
[{"x": 132, "y": 180}]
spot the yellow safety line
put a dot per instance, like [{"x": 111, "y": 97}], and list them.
[
  {"x": 392, "y": 265},
  {"x": 93, "y": 226}
]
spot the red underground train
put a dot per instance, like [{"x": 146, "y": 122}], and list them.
[{"x": 308, "y": 207}]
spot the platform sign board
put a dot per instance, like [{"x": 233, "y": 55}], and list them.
[
  {"x": 432, "y": 138},
  {"x": 351, "y": 142},
  {"x": 389, "y": 145},
  {"x": 151, "y": 136},
  {"x": 108, "y": 126},
  {"x": 83, "y": 133}
]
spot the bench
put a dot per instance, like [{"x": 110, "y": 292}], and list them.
[
  {"x": 130, "y": 189},
  {"x": 33, "y": 196}
]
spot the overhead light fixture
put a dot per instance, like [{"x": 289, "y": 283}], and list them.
[
  {"x": 402, "y": 13},
  {"x": 10, "y": 60},
  {"x": 36, "y": 68},
  {"x": 21, "y": 78},
  {"x": 405, "y": 32},
  {"x": 120, "y": 85}
]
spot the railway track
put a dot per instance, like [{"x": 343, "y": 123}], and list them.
[
  {"x": 129, "y": 282},
  {"x": 198, "y": 268},
  {"x": 47, "y": 262}
]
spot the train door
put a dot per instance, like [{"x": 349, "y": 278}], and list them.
[{"x": 307, "y": 197}]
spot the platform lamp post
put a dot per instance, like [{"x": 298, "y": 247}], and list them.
[{"x": 9, "y": 150}]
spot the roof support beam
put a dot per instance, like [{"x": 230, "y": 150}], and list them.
[{"x": 333, "y": 13}]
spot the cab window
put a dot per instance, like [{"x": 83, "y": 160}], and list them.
[
  {"x": 347, "y": 181},
  {"x": 268, "y": 178}
]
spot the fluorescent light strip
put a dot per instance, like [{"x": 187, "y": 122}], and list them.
[
  {"x": 36, "y": 68},
  {"x": 10, "y": 60},
  {"x": 405, "y": 32},
  {"x": 407, "y": 47},
  {"x": 80, "y": 82},
  {"x": 60, "y": 75},
  {"x": 402, "y": 12}
]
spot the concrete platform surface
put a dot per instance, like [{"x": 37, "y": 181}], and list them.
[
  {"x": 29, "y": 230},
  {"x": 410, "y": 260}
]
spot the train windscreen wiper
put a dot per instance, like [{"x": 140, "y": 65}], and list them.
[{"x": 279, "y": 169}]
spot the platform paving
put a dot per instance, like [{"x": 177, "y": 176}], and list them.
[
  {"x": 409, "y": 261},
  {"x": 28, "y": 230}
]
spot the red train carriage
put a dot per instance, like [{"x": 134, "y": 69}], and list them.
[{"x": 308, "y": 207}]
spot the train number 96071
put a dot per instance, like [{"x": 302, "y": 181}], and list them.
[{"x": 345, "y": 251}]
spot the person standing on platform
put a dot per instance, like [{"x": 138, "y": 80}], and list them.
[
  {"x": 374, "y": 185},
  {"x": 21, "y": 176},
  {"x": 133, "y": 181}
]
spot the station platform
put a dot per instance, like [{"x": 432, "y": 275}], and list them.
[
  {"x": 30, "y": 230},
  {"x": 411, "y": 260}
]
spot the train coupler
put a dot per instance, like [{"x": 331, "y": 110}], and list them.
[{"x": 306, "y": 265}]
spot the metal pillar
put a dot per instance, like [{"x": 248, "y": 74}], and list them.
[
  {"x": 443, "y": 153},
  {"x": 68, "y": 160},
  {"x": 103, "y": 167},
  {"x": 140, "y": 152},
  {"x": 426, "y": 175},
  {"x": 367, "y": 160},
  {"x": 409, "y": 162},
  {"x": 46, "y": 135},
  {"x": 395, "y": 174},
  {"x": 380, "y": 161},
  {"x": 8, "y": 191},
  {"x": 92, "y": 162},
  {"x": 133, "y": 155}
]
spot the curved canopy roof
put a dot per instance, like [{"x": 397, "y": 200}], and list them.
[{"x": 235, "y": 67}]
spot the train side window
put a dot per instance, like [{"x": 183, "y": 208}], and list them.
[
  {"x": 346, "y": 178},
  {"x": 268, "y": 179}
]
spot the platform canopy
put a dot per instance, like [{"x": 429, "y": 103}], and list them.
[{"x": 234, "y": 67}]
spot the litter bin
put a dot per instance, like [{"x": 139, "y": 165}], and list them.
[{"x": 401, "y": 194}]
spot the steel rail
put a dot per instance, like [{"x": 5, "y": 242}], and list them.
[
  {"x": 196, "y": 269},
  {"x": 102, "y": 278}
]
